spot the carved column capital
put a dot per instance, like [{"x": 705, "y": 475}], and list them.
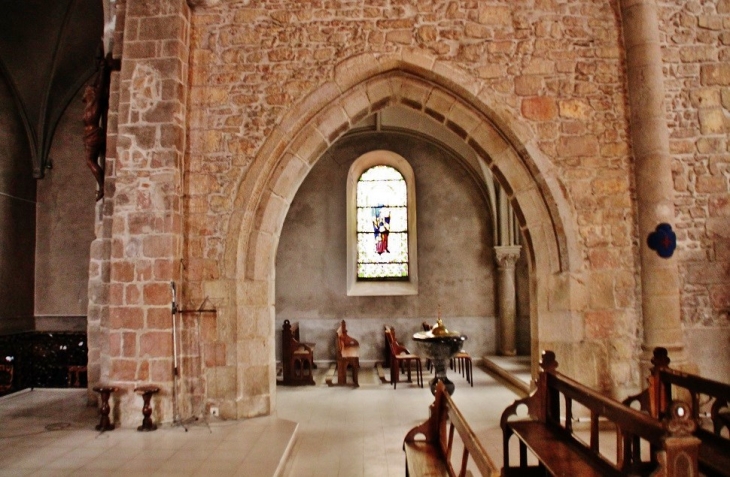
[{"x": 507, "y": 256}]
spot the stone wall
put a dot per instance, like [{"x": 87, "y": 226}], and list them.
[
  {"x": 552, "y": 71},
  {"x": 696, "y": 56},
  {"x": 535, "y": 88}
]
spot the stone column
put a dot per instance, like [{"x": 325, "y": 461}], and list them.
[
  {"x": 654, "y": 185},
  {"x": 97, "y": 325},
  {"x": 506, "y": 257}
]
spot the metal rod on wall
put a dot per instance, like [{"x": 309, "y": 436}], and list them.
[{"x": 175, "y": 377}]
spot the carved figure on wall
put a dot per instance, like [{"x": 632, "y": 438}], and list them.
[
  {"x": 94, "y": 136},
  {"x": 96, "y": 98}
]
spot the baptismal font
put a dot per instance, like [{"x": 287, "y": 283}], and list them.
[{"x": 439, "y": 345}]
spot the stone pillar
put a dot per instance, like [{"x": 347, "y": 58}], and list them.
[
  {"x": 97, "y": 326},
  {"x": 506, "y": 257},
  {"x": 654, "y": 185},
  {"x": 146, "y": 225}
]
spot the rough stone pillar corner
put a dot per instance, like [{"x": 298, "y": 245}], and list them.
[
  {"x": 506, "y": 257},
  {"x": 146, "y": 233}
]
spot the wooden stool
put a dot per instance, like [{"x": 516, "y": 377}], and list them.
[
  {"x": 104, "y": 392},
  {"x": 147, "y": 392}
]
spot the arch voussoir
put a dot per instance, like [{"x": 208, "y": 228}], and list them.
[
  {"x": 333, "y": 122},
  {"x": 311, "y": 106},
  {"x": 438, "y": 102},
  {"x": 350, "y": 71},
  {"x": 308, "y": 144},
  {"x": 288, "y": 175},
  {"x": 356, "y": 104},
  {"x": 512, "y": 170}
]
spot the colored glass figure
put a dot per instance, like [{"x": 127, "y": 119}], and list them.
[
  {"x": 381, "y": 229},
  {"x": 382, "y": 224}
]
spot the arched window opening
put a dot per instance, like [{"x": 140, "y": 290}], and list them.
[{"x": 381, "y": 226}]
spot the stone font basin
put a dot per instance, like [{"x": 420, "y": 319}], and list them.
[{"x": 439, "y": 345}]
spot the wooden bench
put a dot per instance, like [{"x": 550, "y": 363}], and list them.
[
  {"x": 348, "y": 356},
  {"x": 432, "y": 455},
  {"x": 297, "y": 357},
  {"x": 668, "y": 446},
  {"x": 714, "y": 453}
]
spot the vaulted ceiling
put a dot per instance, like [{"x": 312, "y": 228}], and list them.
[{"x": 48, "y": 50}]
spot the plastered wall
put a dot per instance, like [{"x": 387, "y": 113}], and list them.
[
  {"x": 65, "y": 229},
  {"x": 17, "y": 220}
]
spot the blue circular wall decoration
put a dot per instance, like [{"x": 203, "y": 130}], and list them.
[{"x": 663, "y": 240}]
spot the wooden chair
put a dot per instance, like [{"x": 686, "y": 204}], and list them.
[
  {"x": 400, "y": 356},
  {"x": 6, "y": 377},
  {"x": 348, "y": 355},
  {"x": 427, "y": 327},
  {"x": 461, "y": 363},
  {"x": 297, "y": 357},
  {"x": 77, "y": 376}
]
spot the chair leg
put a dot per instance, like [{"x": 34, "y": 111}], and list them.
[{"x": 394, "y": 365}]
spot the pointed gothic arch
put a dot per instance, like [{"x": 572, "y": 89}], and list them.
[{"x": 364, "y": 85}]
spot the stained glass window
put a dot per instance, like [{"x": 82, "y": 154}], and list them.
[{"x": 382, "y": 224}]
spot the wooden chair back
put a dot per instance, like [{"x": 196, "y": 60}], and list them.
[
  {"x": 6, "y": 377},
  {"x": 346, "y": 342}
]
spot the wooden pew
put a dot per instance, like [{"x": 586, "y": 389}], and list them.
[
  {"x": 297, "y": 357},
  {"x": 714, "y": 453},
  {"x": 432, "y": 455},
  {"x": 672, "y": 450},
  {"x": 348, "y": 355}
]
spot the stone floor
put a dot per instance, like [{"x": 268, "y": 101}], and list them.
[
  {"x": 50, "y": 432},
  {"x": 324, "y": 431},
  {"x": 359, "y": 432}
]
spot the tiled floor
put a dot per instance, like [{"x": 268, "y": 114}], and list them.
[
  {"x": 51, "y": 433},
  {"x": 359, "y": 432},
  {"x": 340, "y": 431}
]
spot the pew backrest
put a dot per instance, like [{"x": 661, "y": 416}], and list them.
[
  {"x": 666, "y": 384},
  {"x": 632, "y": 426},
  {"x": 429, "y": 446}
]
